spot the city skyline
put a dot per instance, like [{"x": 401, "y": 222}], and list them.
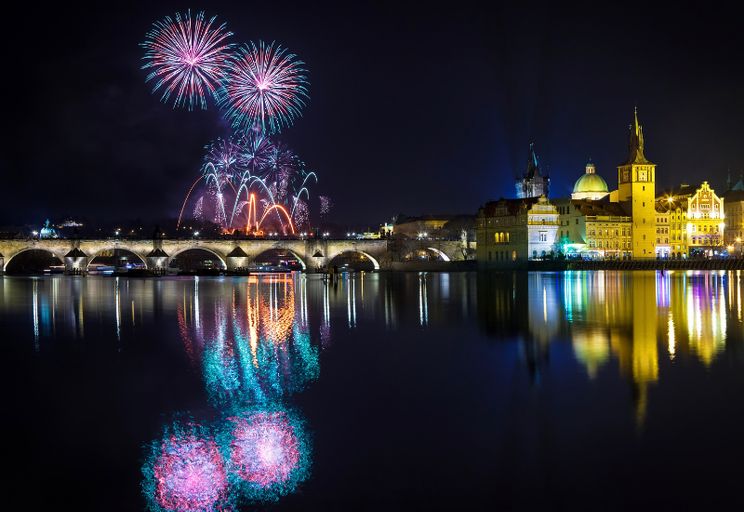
[{"x": 565, "y": 86}]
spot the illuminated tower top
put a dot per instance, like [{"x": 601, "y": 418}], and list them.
[
  {"x": 636, "y": 143},
  {"x": 532, "y": 183}
]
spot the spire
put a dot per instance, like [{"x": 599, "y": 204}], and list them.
[
  {"x": 533, "y": 163},
  {"x": 636, "y": 143}
]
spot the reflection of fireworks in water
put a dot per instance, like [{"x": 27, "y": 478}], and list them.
[
  {"x": 254, "y": 347},
  {"x": 187, "y": 57},
  {"x": 185, "y": 472},
  {"x": 264, "y": 452}
]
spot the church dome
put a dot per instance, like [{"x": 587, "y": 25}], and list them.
[{"x": 591, "y": 185}]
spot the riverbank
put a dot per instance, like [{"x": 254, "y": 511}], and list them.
[{"x": 718, "y": 264}]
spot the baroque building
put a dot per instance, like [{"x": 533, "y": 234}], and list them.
[
  {"x": 694, "y": 221},
  {"x": 511, "y": 231}
]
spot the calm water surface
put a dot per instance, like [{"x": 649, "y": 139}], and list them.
[{"x": 575, "y": 390}]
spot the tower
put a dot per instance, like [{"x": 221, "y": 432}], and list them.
[
  {"x": 532, "y": 183},
  {"x": 636, "y": 180}
]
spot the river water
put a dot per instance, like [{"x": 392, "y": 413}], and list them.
[{"x": 601, "y": 390}]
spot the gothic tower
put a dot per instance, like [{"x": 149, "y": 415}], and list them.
[
  {"x": 636, "y": 180},
  {"x": 532, "y": 183}
]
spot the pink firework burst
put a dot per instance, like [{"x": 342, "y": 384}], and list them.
[
  {"x": 186, "y": 57},
  {"x": 264, "y": 86},
  {"x": 265, "y": 449},
  {"x": 190, "y": 474}
]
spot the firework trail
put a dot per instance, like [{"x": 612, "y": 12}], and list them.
[
  {"x": 187, "y": 58},
  {"x": 264, "y": 86}
]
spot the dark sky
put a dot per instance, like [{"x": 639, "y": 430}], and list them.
[{"x": 413, "y": 109}]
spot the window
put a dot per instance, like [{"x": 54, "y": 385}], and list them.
[{"x": 543, "y": 236}]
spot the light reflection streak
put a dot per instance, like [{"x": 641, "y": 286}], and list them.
[
  {"x": 423, "y": 300},
  {"x": 117, "y": 308},
  {"x": 35, "y": 312}
]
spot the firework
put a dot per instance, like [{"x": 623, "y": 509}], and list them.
[
  {"x": 325, "y": 205},
  {"x": 223, "y": 154},
  {"x": 255, "y": 149},
  {"x": 187, "y": 58},
  {"x": 264, "y": 87}
]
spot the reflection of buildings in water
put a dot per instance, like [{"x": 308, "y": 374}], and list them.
[
  {"x": 638, "y": 356},
  {"x": 697, "y": 316},
  {"x": 591, "y": 347}
]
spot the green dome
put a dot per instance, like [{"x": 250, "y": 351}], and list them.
[{"x": 590, "y": 183}]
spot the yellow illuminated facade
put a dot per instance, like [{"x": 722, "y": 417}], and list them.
[
  {"x": 637, "y": 192},
  {"x": 696, "y": 220},
  {"x": 597, "y": 229}
]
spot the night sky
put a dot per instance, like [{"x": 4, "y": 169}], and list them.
[{"x": 414, "y": 110}]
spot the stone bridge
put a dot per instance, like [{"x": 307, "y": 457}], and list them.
[{"x": 313, "y": 254}]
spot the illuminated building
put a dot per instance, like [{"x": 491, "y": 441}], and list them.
[
  {"x": 598, "y": 223},
  {"x": 663, "y": 220},
  {"x": 590, "y": 186},
  {"x": 734, "y": 211},
  {"x": 696, "y": 220},
  {"x": 597, "y": 229},
  {"x": 532, "y": 183},
  {"x": 515, "y": 230},
  {"x": 637, "y": 193}
]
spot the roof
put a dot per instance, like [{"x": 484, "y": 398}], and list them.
[
  {"x": 590, "y": 182},
  {"x": 734, "y": 196},
  {"x": 513, "y": 206},
  {"x": 636, "y": 143},
  {"x": 533, "y": 163},
  {"x": 601, "y": 207},
  {"x": 157, "y": 253}
]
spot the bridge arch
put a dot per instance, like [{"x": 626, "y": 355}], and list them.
[
  {"x": 59, "y": 255},
  {"x": 117, "y": 248},
  {"x": 198, "y": 248},
  {"x": 281, "y": 248},
  {"x": 372, "y": 259}
]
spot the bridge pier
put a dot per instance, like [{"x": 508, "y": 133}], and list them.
[
  {"x": 2, "y": 264},
  {"x": 237, "y": 261},
  {"x": 157, "y": 261}
]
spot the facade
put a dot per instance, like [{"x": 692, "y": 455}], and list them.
[
  {"x": 636, "y": 180},
  {"x": 511, "y": 231},
  {"x": 532, "y": 183},
  {"x": 695, "y": 221},
  {"x": 734, "y": 212},
  {"x": 629, "y": 222},
  {"x": 594, "y": 229}
]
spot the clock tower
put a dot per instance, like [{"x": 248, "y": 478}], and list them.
[{"x": 636, "y": 180}]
